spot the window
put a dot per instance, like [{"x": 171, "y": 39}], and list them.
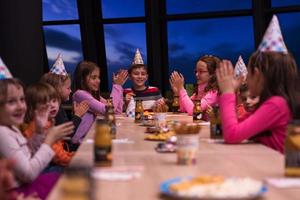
[
  {"x": 64, "y": 39},
  {"x": 290, "y": 28},
  {"x": 225, "y": 37},
  {"x": 122, "y": 8},
  {"x": 121, "y": 41},
  {"x": 279, "y": 3},
  {"x": 194, "y": 6},
  {"x": 59, "y": 10}
]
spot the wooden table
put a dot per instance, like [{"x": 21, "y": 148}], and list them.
[{"x": 253, "y": 160}]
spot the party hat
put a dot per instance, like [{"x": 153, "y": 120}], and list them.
[
  {"x": 273, "y": 40},
  {"x": 59, "y": 67},
  {"x": 240, "y": 68},
  {"x": 4, "y": 72},
  {"x": 138, "y": 58}
]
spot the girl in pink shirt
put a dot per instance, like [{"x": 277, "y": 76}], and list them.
[
  {"x": 206, "y": 89},
  {"x": 273, "y": 77}
]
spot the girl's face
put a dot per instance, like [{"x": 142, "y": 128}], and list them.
[
  {"x": 255, "y": 82},
  {"x": 65, "y": 90},
  {"x": 14, "y": 109},
  {"x": 93, "y": 80},
  {"x": 201, "y": 72},
  {"x": 54, "y": 107},
  {"x": 139, "y": 76}
]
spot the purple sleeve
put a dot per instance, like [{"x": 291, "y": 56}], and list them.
[
  {"x": 95, "y": 105},
  {"x": 117, "y": 95},
  {"x": 266, "y": 117}
]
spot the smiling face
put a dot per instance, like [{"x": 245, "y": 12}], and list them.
[
  {"x": 14, "y": 108},
  {"x": 93, "y": 80},
  {"x": 255, "y": 82},
  {"x": 201, "y": 72},
  {"x": 139, "y": 76}
]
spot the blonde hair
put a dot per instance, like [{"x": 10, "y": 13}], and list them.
[{"x": 55, "y": 80}]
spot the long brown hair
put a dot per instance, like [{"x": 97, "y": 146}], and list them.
[
  {"x": 212, "y": 63},
  {"x": 82, "y": 71},
  {"x": 4, "y": 83},
  {"x": 38, "y": 93},
  {"x": 280, "y": 74}
]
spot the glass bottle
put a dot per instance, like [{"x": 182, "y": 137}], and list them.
[
  {"x": 197, "y": 112},
  {"x": 103, "y": 144},
  {"x": 292, "y": 149},
  {"x": 175, "y": 104},
  {"x": 139, "y": 111},
  {"x": 215, "y": 123}
]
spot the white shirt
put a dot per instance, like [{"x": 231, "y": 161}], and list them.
[{"x": 28, "y": 163}]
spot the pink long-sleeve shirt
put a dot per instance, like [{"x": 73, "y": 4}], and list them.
[
  {"x": 273, "y": 115},
  {"x": 95, "y": 107},
  {"x": 209, "y": 98}
]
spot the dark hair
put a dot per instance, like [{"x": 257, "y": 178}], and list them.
[
  {"x": 280, "y": 76},
  {"x": 243, "y": 88},
  {"x": 38, "y": 93},
  {"x": 137, "y": 66},
  {"x": 82, "y": 71},
  {"x": 212, "y": 63},
  {"x": 55, "y": 80},
  {"x": 4, "y": 83}
]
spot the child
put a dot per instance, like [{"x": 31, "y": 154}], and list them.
[
  {"x": 150, "y": 96},
  {"x": 38, "y": 96},
  {"x": 59, "y": 79},
  {"x": 206, "y": 89},
  {"x": 13, "y": 145},
  {"x": 87, "y": 80},
  {"x": 272, "y": 75},
  {"x": 247, "y": 104}
]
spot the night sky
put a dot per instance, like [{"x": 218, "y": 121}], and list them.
[{"x": 187, "y": 40}]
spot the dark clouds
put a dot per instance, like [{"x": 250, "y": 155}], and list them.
[{"x": 59, "y": 39}]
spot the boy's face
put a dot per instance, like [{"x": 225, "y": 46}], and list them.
[
  {"x": 139, "y": 76},
  {"x": 250, "y": 102}
]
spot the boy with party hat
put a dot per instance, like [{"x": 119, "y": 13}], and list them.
[
  {"x": 60, "y": 80},
  {"x": 150, "y": 96},
  {"x": 273, "y": 76}
]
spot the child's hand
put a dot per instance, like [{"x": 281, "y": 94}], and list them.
[
  {"x": 160, "y": 102},
  {"x": 128, "y": 97},
  {"x": 176, "y": 82},
  {"x": 225, "y": 76},
  {"x": 121, "y": 77},
  {"x": 41, "y": 117},
  {"x": 58, "y": 132},
  {"x": 209, "y": 110},
  {"x": 32, "y": 196},
  {"x": 81, "y": 108}
]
